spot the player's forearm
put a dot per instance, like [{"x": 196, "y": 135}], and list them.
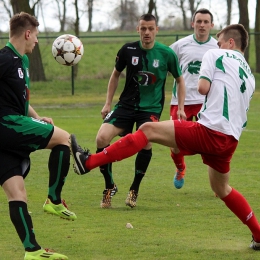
[
  {"x": 110, "y": 94},
  {"x": 111, "y": 89},
  {"x": 181, "y": 92},
  {"x": 33, "y": 113}
]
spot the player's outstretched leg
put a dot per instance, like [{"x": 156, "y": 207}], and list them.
[
  {"x": 79, "y": 156},
  {"x": 44, "y": 254},
  {"x": 254, "y": 245},
  {"x": 119, "y": 150}
]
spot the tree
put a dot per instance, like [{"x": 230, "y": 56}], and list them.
[
  {"x": 90, "y": 14},
  {"x": 257, "y": 36},
  {"x": 76, "y": 23},
  {"x": 7, "y": 9},
  {"x": 62, "y": 10},
  {"x": 127, "y": 13},
  {"x": 229, "y": 10},
  {"x": 123, "y": 14},
  {"x": 192, "y": 6},
  {"x": 180, "y": 4},
  {"x": 36, "y": 66},
  {"x": 152, "y": 6},
  {"x": 244, "y": 19},
  {"x": 76, "y": 29}
]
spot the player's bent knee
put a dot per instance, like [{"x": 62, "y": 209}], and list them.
[
  {"x": 103, "y": 140},
  {"x": 147, "y": 129}
]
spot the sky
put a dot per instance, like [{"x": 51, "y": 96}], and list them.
[{"x": 102, "y": 18}]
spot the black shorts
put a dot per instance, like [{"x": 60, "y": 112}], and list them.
[
  {"x": 125, "y": 118},
  {"x": 20, "y": 135}
]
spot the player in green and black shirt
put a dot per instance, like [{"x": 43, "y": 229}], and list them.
[
  {"x": 147, "y": 64},
  {"x": 23, "y": 131}
]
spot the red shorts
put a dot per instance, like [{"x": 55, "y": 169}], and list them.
[
  {"x": 190, "y": 111},
  {"x": 215, "y": 148}
]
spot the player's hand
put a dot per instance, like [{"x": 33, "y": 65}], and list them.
[
  {"x": 105, "y": 110},
  {"x": 47, "y": 120},
  {"x": 181, "y": 115}
]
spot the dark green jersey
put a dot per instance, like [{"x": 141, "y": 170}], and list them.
[
  {"x": 14, "y": 82},
  {"x": 146, "y": 72}
]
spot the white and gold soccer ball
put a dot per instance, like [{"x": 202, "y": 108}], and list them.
[{"x": 67, "y": 49}]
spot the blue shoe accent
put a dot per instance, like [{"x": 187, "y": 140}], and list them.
[
  {"x": 178, "y": 183},
  {"x": 178, "y": 179}
]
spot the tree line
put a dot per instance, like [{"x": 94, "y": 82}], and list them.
[{"x": 126, "y": 12}]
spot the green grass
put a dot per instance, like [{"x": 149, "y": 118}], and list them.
[{"x": 168, "y": 224}]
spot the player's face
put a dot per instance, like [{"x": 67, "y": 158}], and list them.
[
  {"x": 32, "y": 40},
  {"x": 223, "y": 44},
  {"x": 202, "y": 25},
  {"x": 147, "y": 31}
]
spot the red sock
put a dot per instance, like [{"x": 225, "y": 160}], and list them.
[
  {"x": 236, "y": 202},
  {"x": 178, "y": 159},
  {"x": 121, "y": 149}
]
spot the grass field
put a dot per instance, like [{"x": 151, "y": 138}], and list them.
[{"x": 190, "y": 223}]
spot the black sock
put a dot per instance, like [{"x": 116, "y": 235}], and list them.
[
  {"x": 23, "y": 224},
  {"x": 142, "y": 161},
  {"x": 106, "y": 170},
  {"x": 59, "y": 163}
]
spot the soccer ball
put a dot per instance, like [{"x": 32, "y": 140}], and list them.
[{"x": 67, "y": 49}]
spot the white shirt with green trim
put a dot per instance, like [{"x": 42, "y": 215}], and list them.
[
  {"x": 232, "y": 86},
  {"x": 190, "y": 52}
]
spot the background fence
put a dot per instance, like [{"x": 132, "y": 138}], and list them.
[{"x": 98, "y": 60}]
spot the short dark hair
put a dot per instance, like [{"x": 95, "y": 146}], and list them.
[
  {"x": 148, "y": 17},
  {"x": 22, "y": 21},
  {"x": 236, "y": 32},
  {"x": 202, "y": 11}
]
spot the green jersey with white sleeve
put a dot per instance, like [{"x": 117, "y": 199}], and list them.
[
  {"x": 190, "y": 52},
  {"x": 232, "y": 86}
]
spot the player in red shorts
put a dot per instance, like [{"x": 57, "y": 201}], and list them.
[
  {"x": 228, "y": 83},
  {"x": 190, "y": 51}
]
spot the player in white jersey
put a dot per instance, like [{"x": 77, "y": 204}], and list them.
[
  {"x": 227, "y": 81},
  {"x": 190, "y": 51},
  {"x": 226, "y": 69}
]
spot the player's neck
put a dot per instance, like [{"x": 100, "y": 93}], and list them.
[
  {"x": 147, "y": 45},
  {"x": 17, "y": 43},
  {"x": 238, "y": 50},
  {"x": 201, "y": 38}
]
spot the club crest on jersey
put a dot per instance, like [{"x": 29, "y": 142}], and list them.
[
  {"x": 135, "y": 60},
  {"x": 155, "y": 63},
  {"x": 20, "y": 73}
]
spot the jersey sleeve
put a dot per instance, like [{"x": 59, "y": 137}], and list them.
[
  {"x": 207, "y": 66},
  {"x": 120, "y": 62},
  {"x": 175, "y": 48},
  {"x": 173, "y": 64}
]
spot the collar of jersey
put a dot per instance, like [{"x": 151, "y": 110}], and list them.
[
  {"x": 10, "y": 45},
  {"x": 201, "y": 42},
  {"x": 140, "y": 45}
]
